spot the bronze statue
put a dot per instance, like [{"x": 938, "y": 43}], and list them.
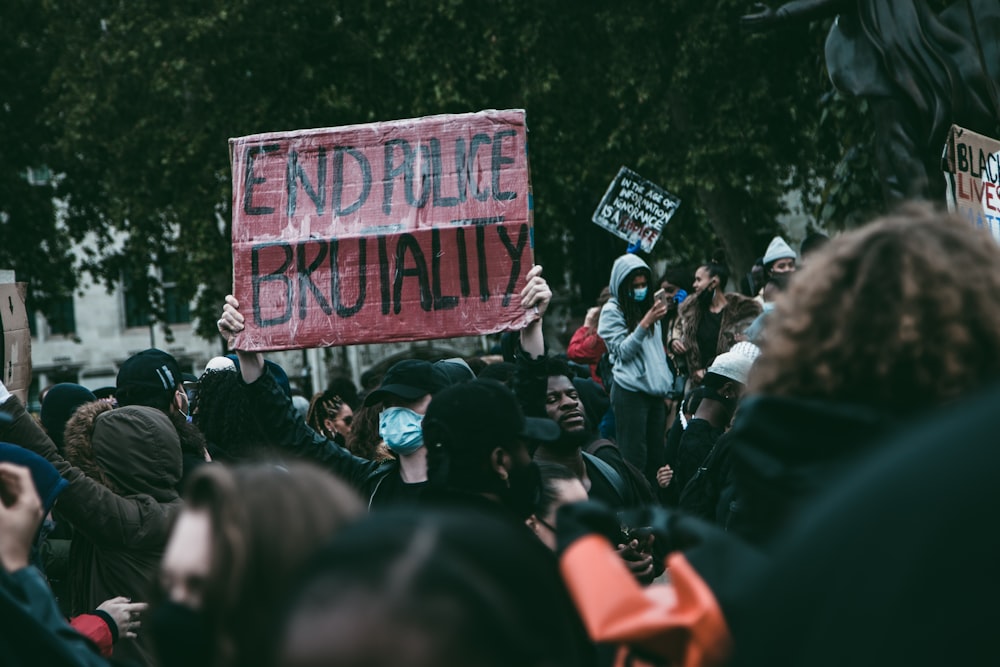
[{"x": 919, "y": 70}]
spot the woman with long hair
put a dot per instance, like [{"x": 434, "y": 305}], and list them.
[
  {"x": 711, "y": 320},
  {"x": 425, "y": 586},
  {"x": 330, "y": 415},
  {"x": 244, "y": 533}
]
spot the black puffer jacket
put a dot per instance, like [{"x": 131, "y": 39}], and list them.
[{"x": 786, "y": 450}]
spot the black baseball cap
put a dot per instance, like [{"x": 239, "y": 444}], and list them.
[
  {"x": 484, "y": 412},
  {"x": 104, "y": 392},
  {"x": 456, "y": 370},
  {"x": 147, "y": 374},
  {"x": 409, "y": 379}
]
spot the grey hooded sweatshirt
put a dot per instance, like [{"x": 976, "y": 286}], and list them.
[{"x": 639, "y": 362}]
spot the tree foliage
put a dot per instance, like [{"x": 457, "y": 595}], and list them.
[
  {"x": 134, "y": 104},
  {"x": 31, "y": 241}
]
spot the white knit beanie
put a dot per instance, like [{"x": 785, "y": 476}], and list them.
[
  {"x": 778, "y": 249},
  {"x": 736, "y": 363}
]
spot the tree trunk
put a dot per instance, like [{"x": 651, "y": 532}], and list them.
[{"x": 724, "y": 206}]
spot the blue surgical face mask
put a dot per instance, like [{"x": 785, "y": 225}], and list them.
[
  {"x": 639, "y": 293},
  {"x": 186, "y": 410},
  {"x": 400, "y": 428}
]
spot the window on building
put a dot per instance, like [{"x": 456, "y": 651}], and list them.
[
  {"x": 61, "y": 319},
  {"x": 137, "y": 310},
  {"x": 176, "y": 305}
]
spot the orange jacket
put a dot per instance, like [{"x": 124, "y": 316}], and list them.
[{"x": 680, "y": 622}]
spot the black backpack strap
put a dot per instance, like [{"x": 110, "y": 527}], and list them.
[{"x": 609, "y": 473}]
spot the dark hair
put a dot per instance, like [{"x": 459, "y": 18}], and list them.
[
  {"x": 423, "y": 587},
  {"x": 344, "y": 387},
  {"x": 678, "y": 276},
  {"x": 501, "y": 371},
  {"x": 556, "y": 366},
  {"x": 812, "y": 242},
  {"x": 477, "y": 364},
  {"x": 717, "y": 270},
  {"x": 324, "y": 405},
  {"x": 223, "y": 412},
  {"x": 550, "y": 473},
  {"x": 634, "y": 310},
  {"x": 365, "y": 439},
  {"x": 267, "y": 522}
]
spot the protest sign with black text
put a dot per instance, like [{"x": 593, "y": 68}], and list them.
[
  {"x": 393, "y": 231},
  {"x": 635, "y": 209}
]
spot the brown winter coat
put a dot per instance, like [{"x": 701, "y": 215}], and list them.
[
  {"x": 739, "y": 312},
  {"x": 120, "y": 500}
]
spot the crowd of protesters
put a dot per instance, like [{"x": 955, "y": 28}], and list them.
[{"x": 797, "y": 474}]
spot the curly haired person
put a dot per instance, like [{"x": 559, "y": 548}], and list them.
[{"x": 883, "y": 324}]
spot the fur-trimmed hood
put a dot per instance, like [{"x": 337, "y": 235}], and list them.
[{"x": 129, "y": 450}]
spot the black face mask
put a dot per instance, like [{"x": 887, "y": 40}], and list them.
[
  {"x": 780, "y": 279},
  {"x": 728, "y": 403},
  {"x": 525, "y": 489},
  {"x": 181, "y": 636},
  {"x": 706, "y": 295}
]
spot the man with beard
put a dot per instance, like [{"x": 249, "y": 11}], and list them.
[
  {"x": 544, "y": 388},
  {"x": 598, "y": 464},
  {"x": 153, "y": 378},
  {"x": 545, "y": 391},
  {"x": 596, "y": 461}
]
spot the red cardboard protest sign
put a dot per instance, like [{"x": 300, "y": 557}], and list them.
[{"x": 392, "y": 231}]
